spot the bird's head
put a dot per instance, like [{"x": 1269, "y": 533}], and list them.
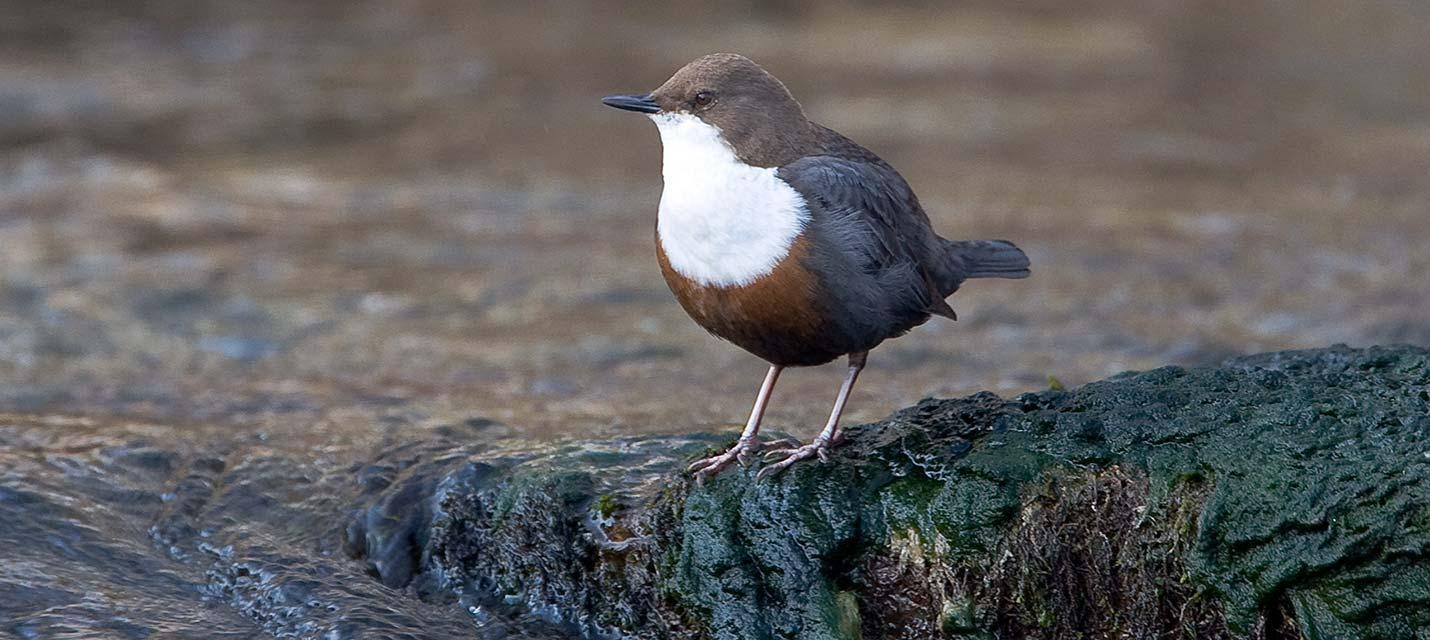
[{"x": 752, "y": 110}]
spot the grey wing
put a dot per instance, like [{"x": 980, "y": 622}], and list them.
[{"x": 878, "y": 230}]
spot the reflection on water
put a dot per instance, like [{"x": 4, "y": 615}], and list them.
[{"x": 247, "y": 249}]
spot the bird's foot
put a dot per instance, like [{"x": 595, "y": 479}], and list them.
[
  {"x": 782, "y": 458},
  {"x": 743, "y": 452}
]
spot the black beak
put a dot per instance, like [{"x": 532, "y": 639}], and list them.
[{"x": 642, "y": 104}]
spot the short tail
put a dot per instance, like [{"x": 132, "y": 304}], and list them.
[{"x": 989, "y": 258}]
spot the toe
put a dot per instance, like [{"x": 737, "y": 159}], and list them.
[
  {"x": 708, "y": 472},
  {"x": 779, "y": 454},
  {"x": 769, "y": 471}
]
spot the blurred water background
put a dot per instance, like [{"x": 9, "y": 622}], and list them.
[{"x": 250, "y": 248}]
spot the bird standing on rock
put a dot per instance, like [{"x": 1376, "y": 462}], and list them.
[{"x": 790, "y": 240}]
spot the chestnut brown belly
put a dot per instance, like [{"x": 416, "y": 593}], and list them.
[{"x": 778, "y": 317}]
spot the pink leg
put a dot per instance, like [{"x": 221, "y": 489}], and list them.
[
  {"x": 829, "y": 436},
  {"x": 708, "y": 467}
]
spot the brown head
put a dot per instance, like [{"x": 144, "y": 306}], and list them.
[{"x": 755, "y": 113}]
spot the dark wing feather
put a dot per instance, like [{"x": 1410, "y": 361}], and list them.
[{"x": 865, "y": 208}]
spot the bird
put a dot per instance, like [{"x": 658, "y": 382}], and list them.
[{"x": 790, "y": 240}]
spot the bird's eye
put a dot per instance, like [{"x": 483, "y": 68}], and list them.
[{"x": 704, "y": 99}]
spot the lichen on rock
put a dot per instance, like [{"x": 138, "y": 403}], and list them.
[{"x": 1276, "y": 496}]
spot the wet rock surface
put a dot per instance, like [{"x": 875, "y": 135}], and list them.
[{"x": 1277, "y": 496}]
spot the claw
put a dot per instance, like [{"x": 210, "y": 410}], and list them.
[
  {"x": 783, "y": 443},
  {"x": 818, "y": 448},
  {"x": 776, "y": 454},
  {"x": 709, "y": 467},
  {"x": 770, "y": 470}
]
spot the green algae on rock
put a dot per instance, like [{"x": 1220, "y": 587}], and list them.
[{"x": 1277, "y": 496}]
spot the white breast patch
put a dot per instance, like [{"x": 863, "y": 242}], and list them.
[{"x": 722, "y": 223}]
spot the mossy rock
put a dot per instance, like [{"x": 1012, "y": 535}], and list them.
[{"x": 1278, "y": 496}]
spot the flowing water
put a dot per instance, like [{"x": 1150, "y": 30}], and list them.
[{"x": 255, "y": 255}]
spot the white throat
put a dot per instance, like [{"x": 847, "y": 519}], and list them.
[{"x": 722, "y": 223}]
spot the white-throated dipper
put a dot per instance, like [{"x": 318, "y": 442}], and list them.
[{"x": 790, "y": 240}]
